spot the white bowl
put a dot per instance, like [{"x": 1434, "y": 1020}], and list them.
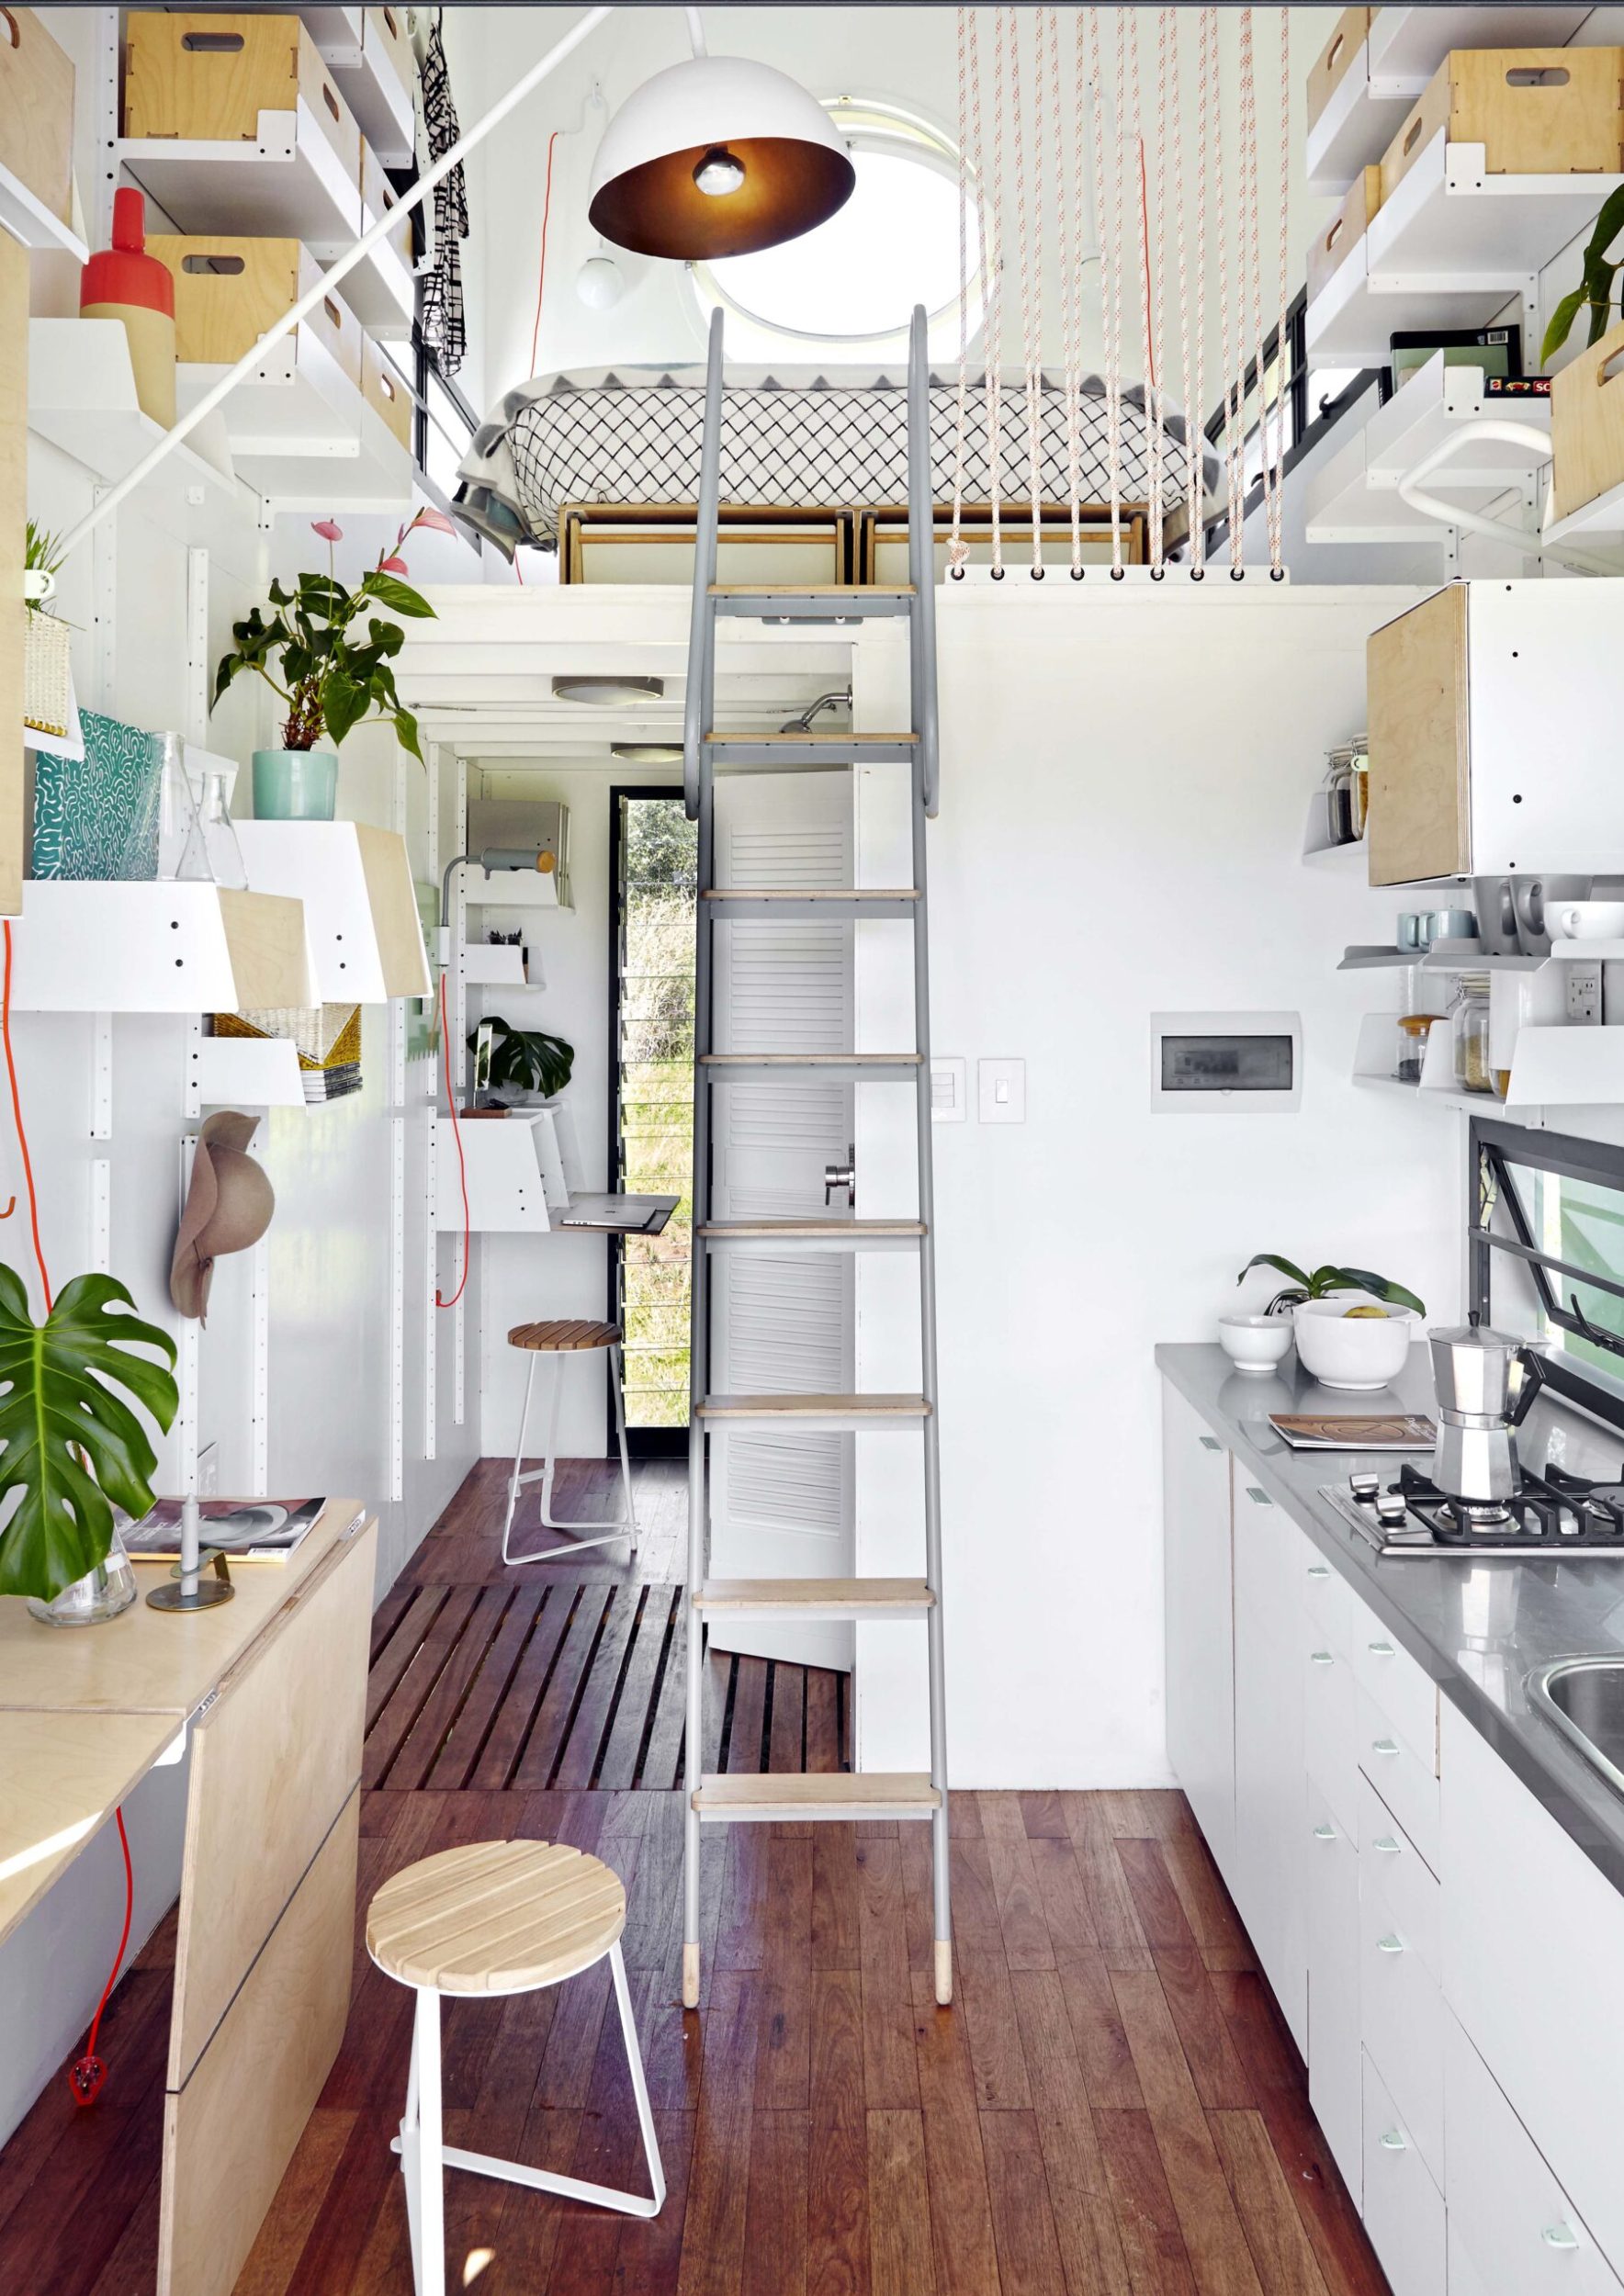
[
  {"x": 1254, "y": 1342},
  {"x": 1360, "y": 1351}
]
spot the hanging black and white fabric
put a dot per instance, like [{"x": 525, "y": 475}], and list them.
[{"x": 441, "y": 315}]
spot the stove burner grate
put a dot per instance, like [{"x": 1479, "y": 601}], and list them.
[{"x": 1556, "y": 1511}]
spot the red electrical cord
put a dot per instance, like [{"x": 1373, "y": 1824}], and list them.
[
  {"x": 546, "y": 208},
  {"x": 84, "y": 2078},
  {"x": 462, "y": 1169}
]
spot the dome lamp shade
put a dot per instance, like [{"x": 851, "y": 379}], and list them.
[{"x": 716, "y": 156}]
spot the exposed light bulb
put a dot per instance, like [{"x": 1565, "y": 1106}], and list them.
[
  {"x": 599, "y": 283},
  {"x": 719, "y": 173}
]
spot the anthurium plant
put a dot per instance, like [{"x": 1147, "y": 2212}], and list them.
[
  {"x": 1319, "y": 1283},
  {"x": 311, "y": 653},
  {"x": 70, "y": 1446},
  {"x": 1595, "y": 292}
]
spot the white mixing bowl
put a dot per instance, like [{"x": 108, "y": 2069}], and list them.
[
  {"x": 1255, "y": 1343},
  {"x": 1358, "y": 1351}
]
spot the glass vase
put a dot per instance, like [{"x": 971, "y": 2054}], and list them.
[{"x": 100, "y": 1594}]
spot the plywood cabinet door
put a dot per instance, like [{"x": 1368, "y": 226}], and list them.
[
  {"x": 1270, "y": 1867},
  {"x": 1333, "y": 1926},
  {"x": 1419, "y": 821},
  {"x": 1200, "y": 1653},
  {"x": 13, "y": 460}
]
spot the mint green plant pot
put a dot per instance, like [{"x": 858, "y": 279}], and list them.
[{"x": 295, "y": 784}]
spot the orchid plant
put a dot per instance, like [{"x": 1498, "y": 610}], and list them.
[{"x": 329, "y": 678}]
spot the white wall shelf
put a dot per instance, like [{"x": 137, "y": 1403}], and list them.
[
  {"x": 290, "y": 182},
  {"x": 29, "y": 219},
  {"x": 1603, "y": 515},
  {"x": 1451, "y": 247},
  {"x": 1354, "y": 496},
  {"x": 81, "y": 397},
  {"x": 349, "y": 43},
  {"x": 1445, "y": 957},
  {"x": 1348, "y": 861},
  {"x": 515, "y": 1177},
  {"x": 302, "y": 433},
  {"x": 165, "y": 946},
  {"x": 494, "y": 964},
  {"x": 360, "y": 906},
  {"x": 1567, "y": 1067},
  {"x": 248, "y": 1072},
  {"x": 1404, "y": 49}
]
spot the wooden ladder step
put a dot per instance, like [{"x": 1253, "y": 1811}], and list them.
[
  {"x": 812, "y": 590},
  {"x": 814, "y": 739},
  {"x": 816, "y": 1235},
  {"x": 831, "y": 1794},
  {"x": 811, "y": 602},
  {"x": 837, "y": 1067},
  {"x": 832, "y": 901},
  {"x": 826, "y": 1409},
  {"x": 810, "y": 1599}
]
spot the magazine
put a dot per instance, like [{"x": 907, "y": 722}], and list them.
[
  {"x": 249, "y": 1530},
  {"x": 1385, "y": 1431}
]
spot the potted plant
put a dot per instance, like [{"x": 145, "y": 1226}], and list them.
[
  {"x": 330, "y": 678},
  {"x": 1595, "y": 290},
  {"x": 72, "y": 1448},
  {"x": 525, "y": 1061},
  {"x": 1352, "y": 1327}
]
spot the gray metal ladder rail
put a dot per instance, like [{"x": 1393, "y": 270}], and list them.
[{"x": 901, "y": 1795}]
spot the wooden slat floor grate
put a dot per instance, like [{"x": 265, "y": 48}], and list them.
[{"x": 575, "y": 1682}]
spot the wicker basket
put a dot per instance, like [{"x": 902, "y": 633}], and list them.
[{"x": 48, "y": 675}]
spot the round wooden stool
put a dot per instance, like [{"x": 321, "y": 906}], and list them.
[
  {"x": 496, "y": 1918},
  {"x": 567, "y": 1336}
]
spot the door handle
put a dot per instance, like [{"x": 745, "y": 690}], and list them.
[
  {"x": 842, "y": 1175},
  {"x": 1390, "y": 1944}
]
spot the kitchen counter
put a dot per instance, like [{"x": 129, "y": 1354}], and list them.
[{"x": 1480, "y": 1625}]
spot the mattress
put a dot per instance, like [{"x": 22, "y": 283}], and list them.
[{"x": 795, "y": 440}]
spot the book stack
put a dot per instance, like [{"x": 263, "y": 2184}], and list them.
[{"x": 326, "y": 1037}]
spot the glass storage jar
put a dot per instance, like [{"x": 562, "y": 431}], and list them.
[
  {"x": 1469, "y": 1027},
  {"x": 1411, "y": 1049}
]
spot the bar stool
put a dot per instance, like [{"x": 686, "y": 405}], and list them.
[
  {"x": 489, "y": 1919},
  {"x": 567, "y": 1336}
]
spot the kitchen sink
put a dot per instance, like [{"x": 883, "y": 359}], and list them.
[{"x": 1584, "y": 1698}]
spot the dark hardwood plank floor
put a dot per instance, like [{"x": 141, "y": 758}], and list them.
[{"x": 1112, "y": 2108}]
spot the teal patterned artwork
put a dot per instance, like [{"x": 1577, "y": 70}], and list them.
[{"x": 98, "y": 816}]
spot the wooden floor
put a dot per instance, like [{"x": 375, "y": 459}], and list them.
[{"x": 1112, "y": 2108}]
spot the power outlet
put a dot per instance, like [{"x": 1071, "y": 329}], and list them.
[{"x": 1583, "y": 995}]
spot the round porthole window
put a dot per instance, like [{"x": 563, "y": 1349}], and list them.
[{"x": 849, "y": 287}]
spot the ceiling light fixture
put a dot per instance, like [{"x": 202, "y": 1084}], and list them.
[
  {"x": 647, "y": 752},
  {"x": 716, "y": 156},
  {"x": 609, "y": 693}
]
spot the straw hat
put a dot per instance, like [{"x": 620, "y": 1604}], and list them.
[{"x": 227, "y": 1208}]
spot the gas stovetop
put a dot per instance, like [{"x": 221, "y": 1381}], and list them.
[{"x": 1555, "y": 1512}]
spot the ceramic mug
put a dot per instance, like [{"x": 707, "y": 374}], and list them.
[
  {"x": 1587, "y": 920},
  {"x": 1446, "y": 925},
  {"x": 1409, "y": 929}
]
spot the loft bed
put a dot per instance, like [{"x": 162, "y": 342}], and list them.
[{"x": 790, "y": 439}]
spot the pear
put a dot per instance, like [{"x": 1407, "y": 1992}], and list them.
[{"x": 1351, "y": 1313}]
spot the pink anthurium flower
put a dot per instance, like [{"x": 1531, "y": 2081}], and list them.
[
  {"x": 394, "y": 565},
  {"x": 329, "y": 529},
  {"x": 436, "y": 520}
]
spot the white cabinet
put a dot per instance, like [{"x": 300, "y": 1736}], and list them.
[
  {"x": 1270, "y": 1865},
  {"x": 1403, "y": 2209},
  {"x": 1333, "y": 2049},
  {"x": 1200, "y": 1650}
]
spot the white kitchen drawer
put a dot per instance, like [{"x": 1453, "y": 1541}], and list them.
[
  {"x": 1402, "y": 2020},
  {"x": 1332, "y": 1605},
  {"x": 1403, "y": 2209},
  {"x": 1521, "y": 2234},
  {"x": 1401, "y": 1774},
  {"x": 1330, "y": 1727},
  {"x": 1333, "y": 2045},
  {"x": 1406, "y": 1693},
  {"x": 1407, "y": 1883}
]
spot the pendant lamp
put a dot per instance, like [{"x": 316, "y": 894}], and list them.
[{"x": 716, "y": 156}]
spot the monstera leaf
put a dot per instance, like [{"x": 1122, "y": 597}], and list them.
[{"x": 68, "y": 1444}]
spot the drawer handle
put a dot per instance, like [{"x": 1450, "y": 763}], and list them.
[
  {"x": 1319, "y": 1569},
  {"x": 1210, "y": 1442},
  {"x": 1385, "y": 1746},
  {"x": 1258, "y": 1498},
  {"x": 1560, "y": 2236},
  {"x": 1325, "y": 1833},
  {"x": 1390, "y": 1944},
  {"x": 1394, "y": 2143},
  {"x": 1382, "y": 1650},
  {"x": 1321, "y": 1657},
  {"x": 1387, "y": 1845}
]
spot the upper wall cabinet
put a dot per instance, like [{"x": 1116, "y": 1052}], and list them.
[
  {"x": 363, "y": 931},
  {"x": 1493, "y": 707}
]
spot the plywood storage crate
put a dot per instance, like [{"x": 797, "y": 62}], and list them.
[
  {"x": 36, "y": 110},
  {"x": 1536, "y": 111},
  {"x": 384, "y": 390},
  {"x": 1331, "y": 248},
  {"x": 1465, "y": 779},
  {"x": 227, "y": 291},
  {"x": 1587, "y": 425},
  {"x": 207, "y": 78},
  {"x": 385, "y": 44},
  {"x": 378, "y": 195},
  {"x": 1337, "y": 59}
]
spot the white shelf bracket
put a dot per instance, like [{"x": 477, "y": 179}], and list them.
[{"x": 101, "y": 1076}]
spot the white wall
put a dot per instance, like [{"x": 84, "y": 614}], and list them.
[{"x": 1125, "y": 781}]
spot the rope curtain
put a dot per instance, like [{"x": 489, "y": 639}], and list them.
[{"x": 1173, "y": 180}]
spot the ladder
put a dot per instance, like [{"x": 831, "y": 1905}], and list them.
[{"x": 707, "y": 753}]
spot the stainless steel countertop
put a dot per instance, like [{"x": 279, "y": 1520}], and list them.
[{"x": 1479, "y": 1626}]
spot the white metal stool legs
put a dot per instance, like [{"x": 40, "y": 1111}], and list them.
[
  {"x": 424, "y": 2157},
  {"x": 605, "y": 1534}
]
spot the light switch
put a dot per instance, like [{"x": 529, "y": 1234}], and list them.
[
  {"x": 949, "y": 1091},
  {"x": 1002, "y": 1091}
]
